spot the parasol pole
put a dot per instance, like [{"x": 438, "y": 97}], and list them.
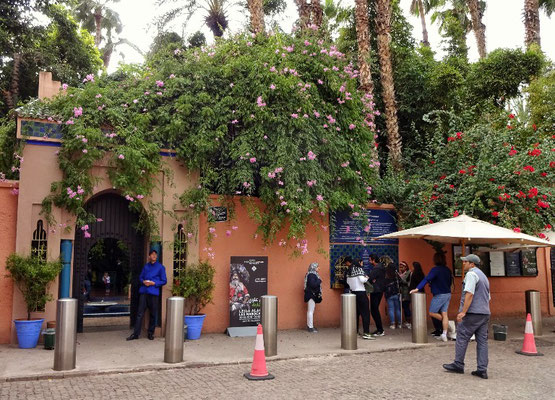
[{"x": 463, "y": 255}]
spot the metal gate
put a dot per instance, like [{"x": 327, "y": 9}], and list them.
[{"x": 118, "y": 222}]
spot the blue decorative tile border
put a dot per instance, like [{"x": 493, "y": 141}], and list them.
[{"x": 45, "y": 130}]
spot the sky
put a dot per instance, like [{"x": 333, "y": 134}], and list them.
[{"x": 503, "y": 20}]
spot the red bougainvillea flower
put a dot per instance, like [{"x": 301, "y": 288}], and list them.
[
  {"x": 548, "y": 227},
  {"x": 517, "y": 229},
  {"x": 462, "y": 171},
  {"x": 509, "y": 127},
  {"x": 452, "y": 186},
  {"x": 534, "y": 127},
  {"x": 552, "y": 164},
  {"x": 529, "y": 168},
  {"x": 535, "y": 152},
  {"x": 543, "y": 174},
  {"x": 533, "y": 192},
  {"x": 541, "y": 235},
  {"x": 456, "y": 213},
  {"x": 442, "y": 177},
  {"x": 450, "y": 139},
  {"x": 491, "y": 179},
  {"x": 430, "y": 221},
  {"x": 521, "y": 194},
  {"x": 432, "y": 162},
  {"x": 459, "y": 135},
  {"x": 495, "y": 214},
  {"x": 511, "y": 116},
  {"x": 543, "y": 204},
  {"x": 513, "y": 151}
]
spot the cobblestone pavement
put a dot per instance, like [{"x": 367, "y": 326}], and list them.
[{"x": 403, "y": 374}]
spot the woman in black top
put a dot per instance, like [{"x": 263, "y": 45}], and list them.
[
  {"x": 377, "y": 278},
  {"x": 312, "y": 294}
]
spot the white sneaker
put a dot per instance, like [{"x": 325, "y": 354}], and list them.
[
  {"x": 408, "y": 325},
  {"x": 391, "y": 326},
  {"x": 443, "y": 337}
]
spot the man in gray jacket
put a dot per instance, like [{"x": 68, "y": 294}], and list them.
[{"x": 473, "y": 318}]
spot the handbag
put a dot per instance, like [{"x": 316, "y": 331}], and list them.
[
  {"x": 369, "y": 287},
  {"x": 317, "y": 297}
]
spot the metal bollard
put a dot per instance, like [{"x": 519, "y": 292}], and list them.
[
  {"x": 533, "y": 306},
  {"x": 173, "y": 346},
  {"x": 269, "y": 324},
  {"x": 66, "y": 335},
  {"x": 419, "y": 324},
  {"x": 348, "y": 322}
]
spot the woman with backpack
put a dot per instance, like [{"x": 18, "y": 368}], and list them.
[
  {"x": 312, "y": 294},
  {"x": 392, "y": 296}
]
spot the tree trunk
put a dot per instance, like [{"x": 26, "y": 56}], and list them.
[
  {"x": 365, "y": 73},
  {"x": 257, "y": 15},
  {"x": 304, "y": 13},
  {"x": 425, "y": 40},
  {"x": 532, "y": 22},
  {"x": 386, "y": 71},
  {"x": 317, "y": 13},
  {"x": 12, "y": 94},
  {"x": 478, "y": 27},
  {"x": 98, "y": 22}
]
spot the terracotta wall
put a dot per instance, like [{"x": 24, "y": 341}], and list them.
[
  {"x": 8, "y": 218},
  {"x": 285, "y": 273},
  {"x": 507, "y": 293}
]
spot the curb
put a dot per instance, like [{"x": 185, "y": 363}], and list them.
[{"x": 185, "y": 365}]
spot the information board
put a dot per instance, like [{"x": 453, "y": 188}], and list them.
[
  {"x": 373, "y": 223},
  {"x": 512, "y": 264},
  {"x": 497, "y": 263},
  {"x": 529, "y": 262}
]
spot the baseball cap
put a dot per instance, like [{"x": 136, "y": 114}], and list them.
[{"x": 473, "y": 258}]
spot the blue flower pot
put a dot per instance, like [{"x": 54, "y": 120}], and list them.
[
  {"x": 194, "y": 325},
  {"x": 28, "y": 332}
]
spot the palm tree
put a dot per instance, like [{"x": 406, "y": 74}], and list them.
[
  {"x": 95, "y": 15},
  {"x": 363, "y": 42},
  {"x": 216, "y": 19},
  {"x": 532, "y": 19},
  {"x": 477, "y": 25},
  {"x": 317, "y": 13},
  {"x": 304, "y": 13},
  {"x": 257, "y": 15},
  {"x": 383, "y": 29}
]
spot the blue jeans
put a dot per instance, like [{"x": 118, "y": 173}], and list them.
[{"x": 394, "y": 309}]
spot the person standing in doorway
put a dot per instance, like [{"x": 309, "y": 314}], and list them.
[
  {"x": 312, "y": 294},
  {"x": 152, "y": 278},
  {"x": 393, "y": 296},
  {"x": 405, "y": 275},
  {"x": 473, "y": 318},
  {"x": 377, "y": 278},
  {"x": 440, "y": 280}
]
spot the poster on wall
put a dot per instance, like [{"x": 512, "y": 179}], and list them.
[
  {"x": 457, "y": 263},
  {"x": 529, "y": 262},
  {"x": 497, "y": 263},
  {"x": 512, "y": 263},
  {"x": 353, "y": 237},
  {"x": 248, "y": 282}
]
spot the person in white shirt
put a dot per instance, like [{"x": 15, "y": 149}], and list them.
[{"x": 356, "y": 277}]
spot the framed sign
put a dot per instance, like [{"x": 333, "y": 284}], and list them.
[
  {"x": 248, "y": 282},
  {"x": 512, "y": 264},
  {"x": 497, "y": 263},
  {"x": 218, "y": 214},
  {"x": 529, "y": 262}
]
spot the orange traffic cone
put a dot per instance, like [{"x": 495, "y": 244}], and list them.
[
  {"x": 529, "y": 345},
  {"x": 258, "y": 370}
]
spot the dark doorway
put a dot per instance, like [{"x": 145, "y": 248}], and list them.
[{"x": 106, "y": 263}]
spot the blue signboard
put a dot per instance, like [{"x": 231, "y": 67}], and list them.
[
  {"x": 352, "y": 236},
  {"x": 371, "y": 224}
]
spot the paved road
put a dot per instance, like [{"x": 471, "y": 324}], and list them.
[{"x": 405, "y": 374}]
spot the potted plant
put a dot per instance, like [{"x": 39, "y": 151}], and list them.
[
  {"x": 32, "y": 275},
  {"x": 195, "y": 283}
]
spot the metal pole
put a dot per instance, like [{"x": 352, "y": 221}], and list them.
[
  {"x": 173, "y": 348},
  {"x": 419, "y": 325},
  {"x": 66, "y": 335},
  {"x": 269, "y": 324},
  {"x": 65, "y": 275},
  {"x": 348, "y": 322},
  {"x": 533, "y": 306}
]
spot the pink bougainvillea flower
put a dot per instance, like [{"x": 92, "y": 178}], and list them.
[
  {"x": 294, "y": 115},
  {"x": 87, "y": 235},
  {"x": 85, "y": 151},
  {"x": 121, "y": 157},
  {"x": 252, "y": 160},
  {"x": 352, "y": 126},
  {"x": 320, "y": 197},
  {"x": 311, "y": 155},
  {"x": 272, "y": 86},
  {"x": 65, "y": 86},
  {"x": 160, "y": 83},
  {"x": 212, "y": 230},
  {"x": 140, "y": 196},
  {"x": 228, "y": 233},
  {"x": 259, "y": 102}
]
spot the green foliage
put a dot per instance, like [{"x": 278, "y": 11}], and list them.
[
  {"x": 8, "y": 147},
  {"x": 165, "y": 41},
  {"x": 501, "y": 74},
  {"x": 499, "y": 171},
  {"x": 278, "y": 118},
  {"x": 32, "y": 276},
  {"x": 196, "y": 284},
  {"x": 197, "y": 39},
  {"x": 542, "y": 102}
]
